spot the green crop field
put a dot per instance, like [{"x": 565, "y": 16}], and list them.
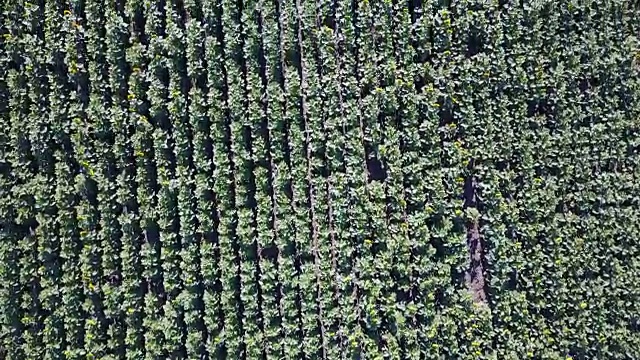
[{"x": 320, "y": 179}]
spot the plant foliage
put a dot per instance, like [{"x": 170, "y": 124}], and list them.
[{"x": 326, "y": 179}]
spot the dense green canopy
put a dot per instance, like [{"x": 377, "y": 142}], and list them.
[{"x": 320, "y": 179}]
